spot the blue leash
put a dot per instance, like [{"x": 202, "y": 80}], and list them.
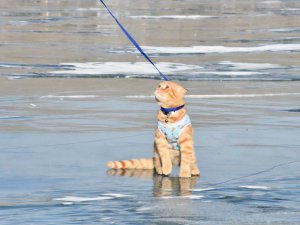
[{"x": 134, "y": 42}]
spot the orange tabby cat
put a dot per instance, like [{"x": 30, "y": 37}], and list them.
[{"x": 173, "y": 143}]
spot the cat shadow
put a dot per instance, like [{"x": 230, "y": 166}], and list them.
[{"x": 162, "y": 186}]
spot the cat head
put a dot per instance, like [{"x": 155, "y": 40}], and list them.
[{"x": 169, "y": 94}]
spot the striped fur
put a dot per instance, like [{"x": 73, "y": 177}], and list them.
[
  {"x": 132, "y": 164},
  {"x": 168, "y": 95}
]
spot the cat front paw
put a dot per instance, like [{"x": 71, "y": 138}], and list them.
[
  {"x": 159, "y": 171},
  {"x": 167, "y": 169},
  {"x": 185, "y": 173},
  {"x": 195, "y": 172}
]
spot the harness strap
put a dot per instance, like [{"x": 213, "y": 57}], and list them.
[
  {"x": 172, "y": 131},
  {"x": 133, "y": 41}
]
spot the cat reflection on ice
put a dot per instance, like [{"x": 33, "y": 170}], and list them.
[{"x": 163, "y": 186}]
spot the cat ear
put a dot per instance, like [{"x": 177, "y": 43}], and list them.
[
  {"x": 182, "y": 90},
  {"x": 179, "y": 91}
]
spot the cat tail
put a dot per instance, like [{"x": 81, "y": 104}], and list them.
[{"x": 132, "y": 164}]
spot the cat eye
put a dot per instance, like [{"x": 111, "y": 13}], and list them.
[{"x": 167, "y": 86}]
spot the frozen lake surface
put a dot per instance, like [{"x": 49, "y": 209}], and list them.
[{"x": 60, "y": 122}]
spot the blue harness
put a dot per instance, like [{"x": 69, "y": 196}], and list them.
[{"x": 172, "y": 131}]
